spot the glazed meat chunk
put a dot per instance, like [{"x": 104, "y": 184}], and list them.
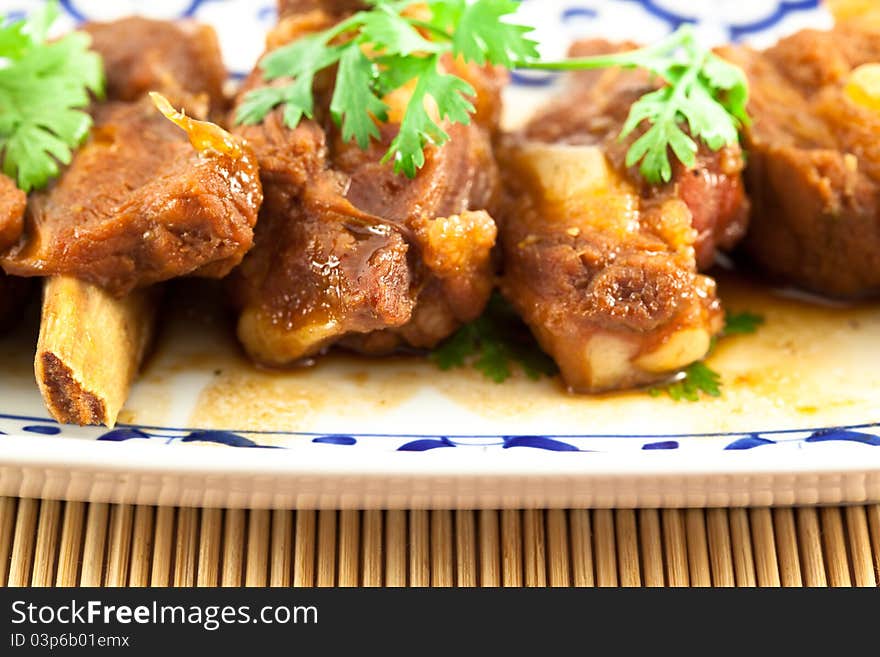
[
  {"x": 138, "y": 205},
  {"x": 333, "y": 8},
  {"x": 346, "y": 251},
  {"x": 12, "y": 205},
  {"x": 143, "y": 200},
  {"x": 143, "y": 55},
  {"x": 601, "y": 265},
  {"x": 814, "y": 160},
  {"x": 13, "y": 291}
]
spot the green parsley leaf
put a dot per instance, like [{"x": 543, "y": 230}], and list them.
[
  {"x": 492, "y": 344},
  {"x": 708, "y": 118},
  {"x": 44, "y": 88},
  {"x": 418, "y": 128},
  {"x": 455, "y": 351},
  {"x": 697, "y": 379},
  {"x": 355, "y": 104},
  {"x": 660, "y": 111},
  {"x": 303, "y": 57},
  {"x": 493, "y": 361},
  {"x": 689, "y": 98},
  {"x": 258, "y": 103},
  {"x": 14, "y": 40},
  {"x": 389, "y": 32},
  {"x": 300, "y": 60},
  {"x": 446, "y": 14},
  {"x": 702, "y": 92},
  {"x": 731, "y": 85},
  {"x": 481, "y": 34},
  {"x": 703, "y": 99},
  {"x": 381, "y": 49},
  {"x": 742, "y": 323}
]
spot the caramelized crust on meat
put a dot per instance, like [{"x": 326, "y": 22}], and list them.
[
  {"x": 814, "y": 161},
  {"x": 13, "y": 291},
  {"x": 12, "y": 205},
  {"x": 348, "y": 251},
  {"x": 142, "y": 55},
  {"x": 592, "y": 112},
  {"x": 332, "y": 8},
  {"x": 601, "y": 265},
  {"x": 139, "y": 203}
]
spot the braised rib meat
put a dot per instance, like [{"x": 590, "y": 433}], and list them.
[
  {"x": 332, "y": 8},
  {"x": 12, "y": 205},
  {"x": 602, "y": 266},
  {"x": 348, "y": 251},
  {"x": 13, "y": 291},
  {"x": 140, "y": 203},
  {"x": 143, "y": 55},
  {"x": 814, "y": 160}
]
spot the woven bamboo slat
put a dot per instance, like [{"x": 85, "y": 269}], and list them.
[{"x": 44, "y": 543}]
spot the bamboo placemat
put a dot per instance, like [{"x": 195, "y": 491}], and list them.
[{"x": 69, "y": 543}]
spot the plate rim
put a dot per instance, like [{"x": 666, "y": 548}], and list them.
[
  {"x": 36, "y": 458},
  {"x": 143, "y": 473}
]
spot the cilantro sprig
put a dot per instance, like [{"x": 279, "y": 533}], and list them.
[
  {"x": 698, "y": 379},
  {"x": 44, "y": 88},
  {"x": 383, "y": 49},
  {"x": 695, "y": 380},
  {"x": 702, "y": 93},
  {"x": 742, "y": 323},
  {"x": 493, "y": 344},
  {"x": 391, "y": 45},
  {"x": 499, "y": 339}
]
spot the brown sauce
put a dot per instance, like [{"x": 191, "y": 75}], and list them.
[{"x": 810, "y": 364}]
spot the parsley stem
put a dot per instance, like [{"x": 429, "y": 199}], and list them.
[
  {"x": 353, "y": 22},
  {"x": 397, "y": 45},
  {"x": 433, "y": 29},
  {"x": 683, "y": 36},
  {"x": 683, "y": 86}
]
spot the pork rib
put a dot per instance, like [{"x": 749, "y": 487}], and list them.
[
  {"x": 602, "y": 266},
  {"x": 138, "y": 203},
  {"x": 142, "y": 201},
  {"x": 814, "y": 160},
  {"x": 346, "y": 251}
]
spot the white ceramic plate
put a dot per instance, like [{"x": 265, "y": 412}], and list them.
[{"x": 799, "y": 421}]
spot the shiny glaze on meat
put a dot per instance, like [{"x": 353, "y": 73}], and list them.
[
  {"x": 814, "y": 161},
  {"x": 139, "y": 203},
  {"x": 602, "y": 266},
  {"x": 348, "y": 251},
  {"x": 144, "y": 55},
  {"x": 592, "y": 111},
  {"x": 12, "y": 205}
]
